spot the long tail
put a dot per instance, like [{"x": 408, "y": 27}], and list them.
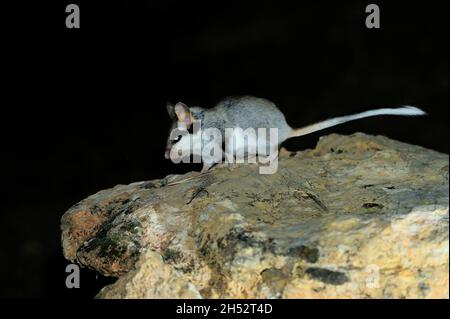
[{"x": 404, "y": 111}]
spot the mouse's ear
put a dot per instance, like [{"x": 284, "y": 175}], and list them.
[
  {"x": 171, "y": 110},
  {"x": 183, "y": 113}
]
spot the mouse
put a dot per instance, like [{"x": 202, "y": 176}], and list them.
[{"x": 244, "y": 112}]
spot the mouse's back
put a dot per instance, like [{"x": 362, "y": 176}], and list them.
[{"x": 254, "y": 112}]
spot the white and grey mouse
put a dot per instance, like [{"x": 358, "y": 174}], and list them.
[{"x": 246, "y": 112}]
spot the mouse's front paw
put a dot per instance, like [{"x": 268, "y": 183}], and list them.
[
  {"x": 232, "y": 166},
  {"x": 206, "y": 167}
]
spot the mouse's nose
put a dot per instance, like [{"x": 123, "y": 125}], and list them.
[{"x": 167, "y": 154}]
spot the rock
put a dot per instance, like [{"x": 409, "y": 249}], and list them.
[
  {"x": 152, "y": 278},
  {"x": 357, "y": 217}
]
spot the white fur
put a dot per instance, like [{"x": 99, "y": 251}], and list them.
[{"x": 403, "y": 111}]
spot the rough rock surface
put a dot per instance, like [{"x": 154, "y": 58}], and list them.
[{"x": 357, "y": 217}]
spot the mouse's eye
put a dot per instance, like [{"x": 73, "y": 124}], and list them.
[{"x": 177, "y": 139}]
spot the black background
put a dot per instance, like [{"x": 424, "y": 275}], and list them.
[{"x": 84, "y": 109}]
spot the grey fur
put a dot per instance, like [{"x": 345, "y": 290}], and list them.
[{"x": 244, "y": 112}]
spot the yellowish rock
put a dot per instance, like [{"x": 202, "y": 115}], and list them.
[{"x": 357, "y": 217}]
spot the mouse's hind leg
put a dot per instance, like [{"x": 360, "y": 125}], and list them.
[{"x": 269, "y": 161}]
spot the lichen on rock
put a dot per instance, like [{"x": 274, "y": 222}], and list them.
[{"x": 357, "y": 217}]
